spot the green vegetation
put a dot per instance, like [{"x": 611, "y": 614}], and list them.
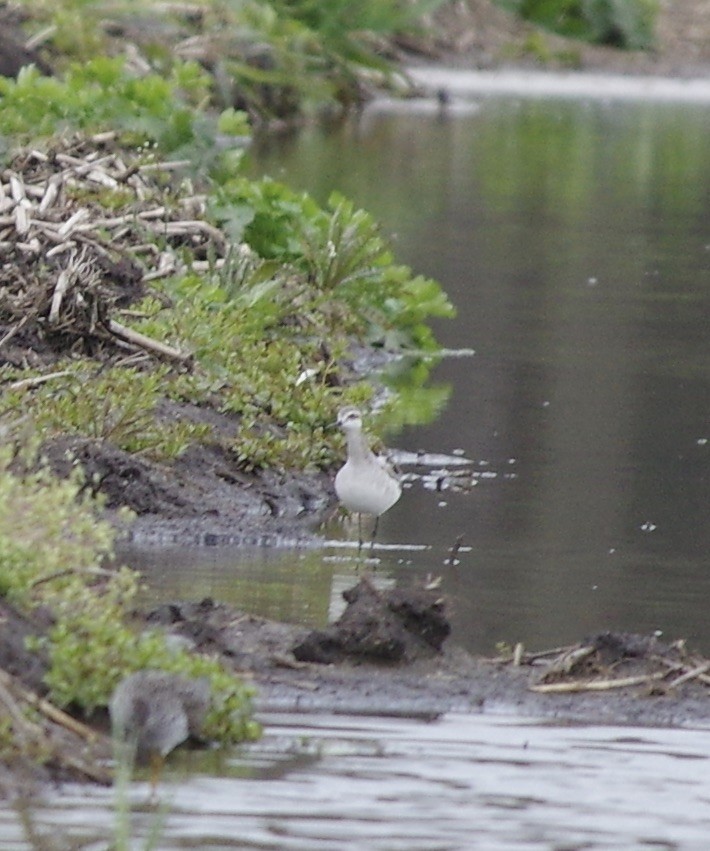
[
  {"x": 273, "y": 59},
  {"x": 90, "y": 645},
  {"x": 117, "y": 404},
  {"x": 278, "y": 277},
  {"x": 148, "y": 291},
  {"x": 349, "y": 37},
  {"x": 622, "y": 23},
  {"x": 101, "y": 93}
]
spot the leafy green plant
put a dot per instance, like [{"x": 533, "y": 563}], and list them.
[
  {"x": 346, "y": 261},
  {"x": 274, "y": 59},
  {"x": 69, "y": 536},
  {"x": 269, "y": 323},
  {"x": 101, "y": 94},
  {"x": 91, "y": 645},
  {"x": 91, "y": 648},
  {"x": 267, "y": 363},
  {"x": 117, "y": 404}
]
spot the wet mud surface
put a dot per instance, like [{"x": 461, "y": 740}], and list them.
[
  {"x": 612, "y": 677},
  {"x": 203, "y": 497},
  {"x": 389, "y": 654}
]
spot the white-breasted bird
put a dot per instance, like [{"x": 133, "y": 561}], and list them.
[{"x": 365, "y": 484}]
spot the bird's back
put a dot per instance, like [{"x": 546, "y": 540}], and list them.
[{"x": 155, "y": 711}]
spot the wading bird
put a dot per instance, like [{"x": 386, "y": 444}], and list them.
[
  {"x": 152, "y": 712},
  {"x": 365, "y": 484}
]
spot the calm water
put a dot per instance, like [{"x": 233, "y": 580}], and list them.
[{"x": 574, "y": 237}]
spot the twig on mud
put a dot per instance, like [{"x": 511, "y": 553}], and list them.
[
  {"x": 692, "y": 674},
  {"x": 24, "y": 729},
  {"x": 71, "y": 224},
  {"x": 283, "y": 660},
  {"x": 148, "y": 343},
  {"x": 58, "y": 295},
  {"x": 12, "y": 691},
  {"x": 453, "y": 552},
  {"x": 10, "y": 684},
  {"x": 544, "y": 654},
  {"x": 37, "y": 380},
  {"x": 166, "y": 166},
  {"x": 43, "y": 215},
  {"x": 568, "y": 660},
  {"x": 71, "y": 571},
  {"x": 598, "y": 685},
  {"x": 697, "y": 673},
  {"x": 530, "y": 657},
  {"x": 18, "y": 326}
]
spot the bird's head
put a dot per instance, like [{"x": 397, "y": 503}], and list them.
[{"x": 350, "y": 419}]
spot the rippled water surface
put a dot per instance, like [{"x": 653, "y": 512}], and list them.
[{"x": 460, "y": 782}]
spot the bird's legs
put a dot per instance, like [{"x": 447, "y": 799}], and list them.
[
  {"x": 360, "y": 541},
  {"x": 374, "y": 534},
  {"x": 156, "y": 770}
]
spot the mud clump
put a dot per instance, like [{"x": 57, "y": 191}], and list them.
[{"x": 393, "y": 626}]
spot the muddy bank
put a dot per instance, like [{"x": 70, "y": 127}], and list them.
[
  {"x": 390, "y": 654},
  {"x": 479, "y": 34},
  {"x": 206, "y": 496},
  {"x": 202, "y": 498}
]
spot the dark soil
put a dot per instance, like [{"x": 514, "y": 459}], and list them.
[
  {"x": 386, "y": 655},
  {"x": 204, "y": 497}
]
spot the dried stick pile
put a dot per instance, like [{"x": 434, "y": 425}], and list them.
[
  {"x": 612, "y": 660},
  {"x": 69, "y": 267},
  {"x": 36, "y": 730}
]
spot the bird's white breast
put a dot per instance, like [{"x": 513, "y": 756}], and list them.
[{"x": 370, "y": 490}]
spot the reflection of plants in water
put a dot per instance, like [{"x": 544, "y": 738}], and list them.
[{"x": 417, "y": 400}]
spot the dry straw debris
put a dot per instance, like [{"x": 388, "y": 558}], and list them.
[{"x": 69, "y": 268}]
